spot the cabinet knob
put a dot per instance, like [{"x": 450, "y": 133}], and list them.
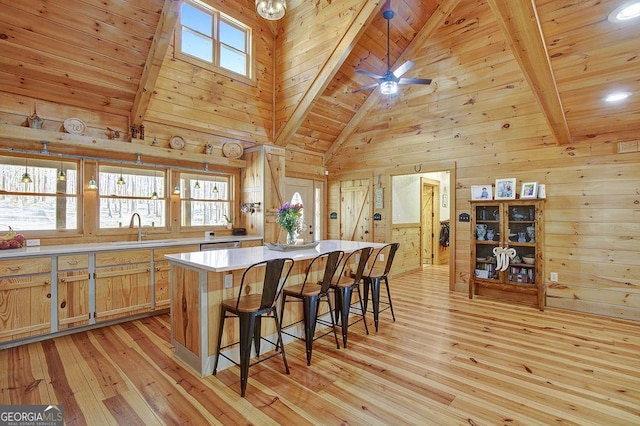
[
  {"x": 63, "y": 304},
  {"x": 62, "y": 280}
]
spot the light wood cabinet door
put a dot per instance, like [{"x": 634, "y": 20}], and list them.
[
  {"x": 123, "y": 284},
  {"x": 161, "y": 273},
  {"x": 25, "y": 298},
  {"x": 73, "y": 298}
]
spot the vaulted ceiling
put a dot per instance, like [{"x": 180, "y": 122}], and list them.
[{"x": 115, "y": 57}]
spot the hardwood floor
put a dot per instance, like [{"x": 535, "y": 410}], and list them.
[{"x": 446, "y": 360}]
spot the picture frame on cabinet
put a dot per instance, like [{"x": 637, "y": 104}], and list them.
[
  {"x": 506, "y": 189},
  {"x": 482, "y": 192},
  {"x": 529, "y": 190}
]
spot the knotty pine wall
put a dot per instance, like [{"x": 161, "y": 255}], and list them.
[{"x": 483, "y": 118}]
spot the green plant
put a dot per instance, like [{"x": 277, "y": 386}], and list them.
[{"x": 228, "y": 219}]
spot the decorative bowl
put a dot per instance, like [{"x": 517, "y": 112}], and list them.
[{"x": 529, "y": 260}]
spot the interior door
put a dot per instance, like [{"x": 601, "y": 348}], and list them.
[
  {"x": 302, "y": 191},
  {"x": 427, "y": 219},
  {"x": 355, "y": 209}
]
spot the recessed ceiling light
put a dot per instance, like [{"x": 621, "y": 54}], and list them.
[
  {"x": 626, "y": 11},
  {"x": 617, "y": 96}
]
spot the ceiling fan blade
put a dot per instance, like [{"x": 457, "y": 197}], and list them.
[
  {"x": 414, "y": 81},
  {"x": 369, "y": 74},
  {"x": 403, "y": 68},
  {"x": 371, "y": 86}
]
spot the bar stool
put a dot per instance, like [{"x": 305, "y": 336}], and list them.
[
  {"x": 344, "y": 285},
  {"x": 377, "y": 273},
  {"x": 311, "y": 292},
  {"x": 250, "y": 308}
]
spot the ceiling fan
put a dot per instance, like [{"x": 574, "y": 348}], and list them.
[{"x": 389, "y": 81}]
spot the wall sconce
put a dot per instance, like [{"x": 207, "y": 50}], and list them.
[
  {"x": 271, "y": 9},
  {"x": 176, "y": 190},
  {"x": 92, "y": 184},
  {"x": 249, "y": 207}
]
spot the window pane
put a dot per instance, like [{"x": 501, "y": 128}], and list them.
[
  {"x": 196, "y": 19},
  {"x": 204, "y": 213},
  {"x": 118, "y": 212},
  {"x": 125, "y": 191},
  {"x": 232, "y": 36},
  {"x": 232, "y": 60},
  {"x": 196, "y": 45},
  {"x": 41, "y": 209}
]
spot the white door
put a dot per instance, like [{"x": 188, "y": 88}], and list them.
[{"x": 303, "y": 191}]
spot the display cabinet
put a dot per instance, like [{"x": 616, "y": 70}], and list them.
[{"x": 506, "y": 250}]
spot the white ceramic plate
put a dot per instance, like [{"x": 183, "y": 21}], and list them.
[
  {"x": 74, "y": 126},
  {"x": 176, "y": 142}
]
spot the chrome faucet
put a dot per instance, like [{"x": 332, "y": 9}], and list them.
[{"x": 131, "y": 224}]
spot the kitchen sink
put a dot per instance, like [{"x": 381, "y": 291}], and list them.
[{"x": 142, "y": 243}]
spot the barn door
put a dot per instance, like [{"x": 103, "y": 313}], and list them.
[
  {"x": 427, "y": 213},
  {"x": 355, "y": 209}
]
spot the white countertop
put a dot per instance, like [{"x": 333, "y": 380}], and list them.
[
  {"x": 117, "y": 245},
  {"x": 234, "y": 259}
]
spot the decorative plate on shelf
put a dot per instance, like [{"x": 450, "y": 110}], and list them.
[
  {"x": 74, "y": 126},
  {"x": 232, "y": 150},
  {"x": 176, "y": 142}
]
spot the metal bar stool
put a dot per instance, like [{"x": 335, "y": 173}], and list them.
[
  {"x": 373, "y": 278},
  {"x": 314, "y": 288},
  {"x": 250, "y": 308},
  {"x": 344, "y": 285}
]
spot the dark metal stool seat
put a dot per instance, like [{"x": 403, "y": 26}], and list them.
[
  {"x": 373, "y": 278},
  {"x": 311, "y": 292},
  {"x": 353, "y": 267},
  {"x": 250, "y": 308}
]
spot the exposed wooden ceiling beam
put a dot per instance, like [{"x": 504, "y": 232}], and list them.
[
  {"x": 521, "y": 27},
  {"x": 159, "y": 46},
  {"x": 329, "y": 70},
  {"x": 436, "y": 20}
]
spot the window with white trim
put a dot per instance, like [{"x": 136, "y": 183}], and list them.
[
  {"x": 209, "y": 37},
  {"x": 38, "y": 194},
  {"x": 124, "y": 191}
]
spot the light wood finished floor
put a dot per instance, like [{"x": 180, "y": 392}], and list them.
[{"x": 446, "y": 360}]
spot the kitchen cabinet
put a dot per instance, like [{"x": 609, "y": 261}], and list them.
[
  {"x": 25, "y": 297},
  {"x": 506, "y": 250},
  {"x": 161, "y": 273},
  {"x": 73, "y": 290},
  {"x": 250, "y": 243},
  {"x": 123, "y": 283}
]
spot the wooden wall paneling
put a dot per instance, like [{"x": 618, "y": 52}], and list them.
[
  {"x": 408, "y": 256},
  {"x": 185, "y": 307}
]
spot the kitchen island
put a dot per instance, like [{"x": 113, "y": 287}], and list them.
[{"x": 201, "y": 280}]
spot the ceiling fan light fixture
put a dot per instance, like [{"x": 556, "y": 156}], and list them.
[
  {"x": 625, "y": 12},
  {"x": 388, "y": 87},
  {"x": 271, "y": 10}
]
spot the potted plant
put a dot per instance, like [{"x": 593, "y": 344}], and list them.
[{"x": 229, "y": 221}]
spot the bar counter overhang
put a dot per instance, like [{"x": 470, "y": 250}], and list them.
[{"x": 201, "y": 280}]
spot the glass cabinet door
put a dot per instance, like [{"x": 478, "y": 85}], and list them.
[{"x": 522, "y": 229}]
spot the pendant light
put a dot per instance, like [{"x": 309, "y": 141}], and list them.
[
  {"x": 25, "y": 176},
  {"x": 154, "y": 195},
  {"x": 61, "y": 175},
  {"x": 271, "y": 10},
  {"x": 120, "y": 179},
  {"x": 196, "y": 185},
  {"x": 215, "y": 191},
  {"x": 93, "y": 185}
]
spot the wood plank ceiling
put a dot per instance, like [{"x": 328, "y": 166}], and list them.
[{"x": 106, "y": 56}]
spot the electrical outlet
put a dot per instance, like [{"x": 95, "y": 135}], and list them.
[
  {"x": 228, "y": 281},
  {"x": 553, "y": 277},
  {"x": 381, "y": 257},
  {"x": 33, "y": 242}
]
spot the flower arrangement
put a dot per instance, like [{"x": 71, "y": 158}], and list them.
[{"x": 290, "y": 218}]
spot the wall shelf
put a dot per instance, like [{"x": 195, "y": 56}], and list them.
[{"x": 9, "y": 134}]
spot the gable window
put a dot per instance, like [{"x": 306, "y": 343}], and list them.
[
  {"x": 209, "y": 38},
  {"x": 38, "y": 194},
  {"x": 125, "y": 191},
  {"x": 205, "y": 199}
]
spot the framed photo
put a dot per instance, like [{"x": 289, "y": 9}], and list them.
[
  {"x": 481, "y": 192},
  {"x": 506, "y": 189},
  {"x": 529, "y": 190}
]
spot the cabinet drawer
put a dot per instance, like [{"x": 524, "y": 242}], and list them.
[
  {"x": 158, "y": 253},
  {"x": 123, "y": 257},
  {"x": 73, "y": 261},
  {"x": 25, "y": 266}
]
